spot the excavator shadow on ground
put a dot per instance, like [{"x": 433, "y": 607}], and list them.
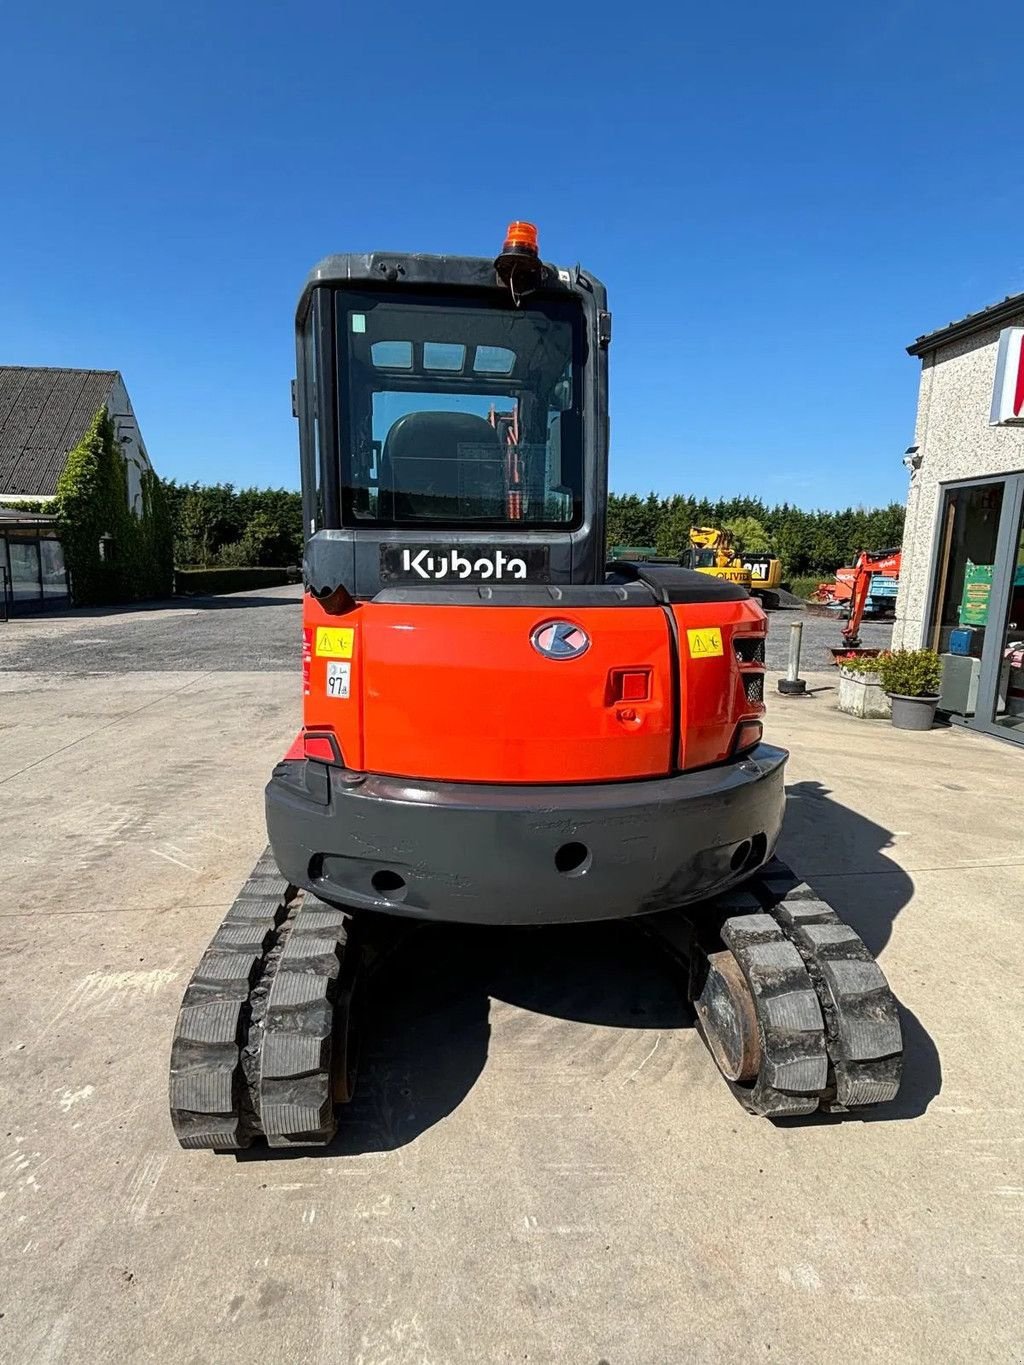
[{"x": 426, "y": 1024}]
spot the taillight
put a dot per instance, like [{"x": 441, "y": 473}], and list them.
[
  {"x": 323, "y": 747},
  {"x": 748, "y": 733},
  {"x": 307, "y": 657}
]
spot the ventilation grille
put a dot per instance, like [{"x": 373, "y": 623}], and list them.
[
  {"x": 753, "y": 685},
  {"x": 749, "y": 648}
]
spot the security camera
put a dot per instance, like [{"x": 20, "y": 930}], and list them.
[{"x": 913, "y": 457}]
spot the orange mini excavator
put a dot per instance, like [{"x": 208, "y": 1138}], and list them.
[{"x": 498, "y": 726}]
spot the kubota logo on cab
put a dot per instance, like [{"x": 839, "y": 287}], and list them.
[
  {"x": 455, "y": 565},
  {"x": 464, "y": 564}
]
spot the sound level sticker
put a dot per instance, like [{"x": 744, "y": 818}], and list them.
[{"x": 339, "y": 679}]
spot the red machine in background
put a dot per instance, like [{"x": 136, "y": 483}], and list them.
[{"x": 857, "y": 584}]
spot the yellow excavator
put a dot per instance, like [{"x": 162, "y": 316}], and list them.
[{"x": 711, "y": 552}]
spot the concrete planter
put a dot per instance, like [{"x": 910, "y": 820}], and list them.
[
  {"x": 861, "y": 695},
  {"x": 913, "y": 713}
]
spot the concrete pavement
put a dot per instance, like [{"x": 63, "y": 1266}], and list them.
[{"x": 541, "y": 1164}]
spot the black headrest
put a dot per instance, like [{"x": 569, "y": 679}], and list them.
[
  {"x": 437, "y": 464},
  {"x": 439, "y": 436}
]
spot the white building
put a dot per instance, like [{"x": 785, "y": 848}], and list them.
[{"x": 962, "y": 580}]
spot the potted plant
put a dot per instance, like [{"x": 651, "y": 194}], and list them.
[
  {"x": 860, "y": 690},
  {"x": 912, "y": 679}
]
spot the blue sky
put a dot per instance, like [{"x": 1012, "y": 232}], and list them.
[{"x": 779, "y": 198}]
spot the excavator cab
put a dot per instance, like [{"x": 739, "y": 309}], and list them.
[{"x": 450, "y": 435}]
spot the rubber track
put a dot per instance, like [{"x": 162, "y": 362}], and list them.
[
  {"x": 862, "y": 1025},
  {"x": 304, "y": 1019},
  {"x": 794, "y": 1067},
  {"x": 829, "y": 1024},
  {"x": 208, "y": 1092}
]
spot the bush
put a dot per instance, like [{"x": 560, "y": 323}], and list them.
[
  {"x": 208, "y": 582},
  {"x": 910, "y": 672},
  {"x": 803, "y": 587},
  {"x": 234, "y": 555},
  {"x": 212, "y": 520},
  {"x": 807, "y": 542},
  {"x": 748, "y": 535}
]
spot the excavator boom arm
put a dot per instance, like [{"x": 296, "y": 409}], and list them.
[{"x": 867, "y": 565}]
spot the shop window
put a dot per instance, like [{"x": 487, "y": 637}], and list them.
[
  {"x": 25, "y": 584},
  {"x": 55, "y": 579},
  {"x": 968, "y": 528}
]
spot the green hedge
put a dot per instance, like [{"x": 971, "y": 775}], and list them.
[
  {"x": 808, "y": 543},
  {"x": 209, "y": 582},
  {"x": 92, "y": 506}
]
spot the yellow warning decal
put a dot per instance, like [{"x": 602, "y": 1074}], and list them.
[
  {"x": 705, "y": 644},
  {"x": 335, "y": 642}
]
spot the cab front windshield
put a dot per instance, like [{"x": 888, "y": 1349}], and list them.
[{"x": 459, "y": 413}]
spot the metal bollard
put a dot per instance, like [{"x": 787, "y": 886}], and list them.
[{"x": 792, "y": 685}]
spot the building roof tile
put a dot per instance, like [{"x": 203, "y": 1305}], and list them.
[{"x": 44, "y": 413}]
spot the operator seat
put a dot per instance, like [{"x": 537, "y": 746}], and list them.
[{"x": 441, "y": 466}]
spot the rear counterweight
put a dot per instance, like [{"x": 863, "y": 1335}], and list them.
[{"x": 486, "y": 854}]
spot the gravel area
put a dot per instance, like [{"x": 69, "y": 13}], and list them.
[
  {"x": 820, "y": 634},
  {"x": 241, "y": 632}
]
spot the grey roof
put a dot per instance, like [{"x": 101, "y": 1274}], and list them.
[
  {"x": 11, "y": 518},
  {"x": 6, "y": 513},
  {"x": 44, "y": 413},
  {"x": 1004, "y": 311}
]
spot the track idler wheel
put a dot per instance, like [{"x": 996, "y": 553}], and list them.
[{"x": 726, "y": 1014}]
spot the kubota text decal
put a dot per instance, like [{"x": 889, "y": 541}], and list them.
[{"x": 464, "y": 564}]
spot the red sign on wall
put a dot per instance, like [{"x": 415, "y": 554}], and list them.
[{"x": 1008, "y": 391}]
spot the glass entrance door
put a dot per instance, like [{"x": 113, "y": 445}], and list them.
[
  {"x": 1009, "y": 705},
  {"x": 968, "y": 530},
  {"x": 976, "y": 621}
]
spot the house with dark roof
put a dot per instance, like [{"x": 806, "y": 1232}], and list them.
[
  {"x": 44, "y": 414},
  {"x": 962, "y": 579}
]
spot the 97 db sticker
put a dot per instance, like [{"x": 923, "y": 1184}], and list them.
[
  {"x": 339, "y": 679},
  {"x": 334, "y": 642},
  {"x": 705, "y": 644}
]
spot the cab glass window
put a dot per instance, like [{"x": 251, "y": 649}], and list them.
[{"x": 455, "y": 412}]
